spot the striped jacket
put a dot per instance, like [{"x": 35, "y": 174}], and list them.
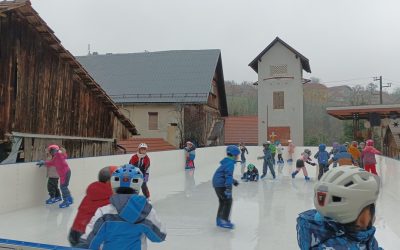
[{"x": 123, "y": 224}]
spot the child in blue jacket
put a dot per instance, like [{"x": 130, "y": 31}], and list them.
[
  {"x": 323, "y": 158},
  {"x": 268, "y": 162},
  {"x": 128, "y": 220},
  {"x": 222, "y": 183},
  {"x": 344, "y": 199}
]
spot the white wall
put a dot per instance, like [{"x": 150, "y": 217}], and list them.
[
  {"x": 292, "y": 114},
  {"x": 24, "y": 185}
]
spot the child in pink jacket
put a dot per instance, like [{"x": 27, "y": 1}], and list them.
[{"x": 59, "y": 162}]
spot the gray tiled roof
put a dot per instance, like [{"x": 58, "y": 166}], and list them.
[{"x": 182, "y": 76}]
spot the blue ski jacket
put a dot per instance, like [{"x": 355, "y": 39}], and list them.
[
  {"x": 267, "y": 154},
  {"x": 223, "y": 176},
  {"x": 314, "y": 231},
  {"x": 123, "y": 224}
]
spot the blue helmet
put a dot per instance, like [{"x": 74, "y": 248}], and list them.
[
  {"x": 233, "y": 150},
  {"x": 127, "y": 176}
]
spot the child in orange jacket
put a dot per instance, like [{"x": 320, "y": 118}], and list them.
[{"x": 355, "y": 153}]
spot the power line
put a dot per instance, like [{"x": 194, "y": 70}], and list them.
[{"x": 347, "y": 80}]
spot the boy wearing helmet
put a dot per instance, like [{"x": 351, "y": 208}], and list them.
[
  {"x": 128, "y": 220},
  {"x": 323, "y": 158},
  {"x": 98, "y": 194},
  {"x": 368, "y": 157},
  {"x": 58, "y": 161},
  {"x": 142, "y": 161},
  {"x": 267, "y": 160},
  {"x": 251, "y": 174},
  {"x": 300, "y": 164},
  {"x": 190, "y": 154},
  {"x": 345, "y": 200},
  {"x": 222, "y": 183}
]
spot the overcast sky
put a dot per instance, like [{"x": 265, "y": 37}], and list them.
[{"x": 343, "y": 39}]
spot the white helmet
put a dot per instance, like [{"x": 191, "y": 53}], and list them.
[
  {"x": 343, "y": 192},
  {"x": 142, "y": 145}
]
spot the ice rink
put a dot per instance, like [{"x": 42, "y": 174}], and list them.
[{"x": 264, "y": 212}]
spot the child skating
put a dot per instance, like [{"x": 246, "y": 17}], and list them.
[
  {"x": 98, "y": 194},
  {"x": 333, "y": 152},
  {"x": 267, "y": 160},
  {"x": 368, "y": 157},
  {"x": 190, "y": 155},
  {"x": 251, "y": 174},
  {"x": 345, "y": 200},
  {"x": 300, "y": 164},
  {"x": 243, "y": 151},
  {"x": 355, "y": 153},
  {"x": 322, "y": 157},
  {"x": 128, "y": 221},
  {"x": 222, "y": 183},
  {"x": 142, "y": 161},
  {"x": 291, "y": 148},
  {"x": 52, "y": 184},
  {"x": 58, "y": 160},
  {"x": 280, "y": 161},
  {"x": 343, "y": 158}
]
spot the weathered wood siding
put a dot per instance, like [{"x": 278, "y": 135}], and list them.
[{"x": 41, "y": 94}]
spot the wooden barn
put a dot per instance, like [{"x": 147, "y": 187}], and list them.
[{"x": 46, "y": 96}]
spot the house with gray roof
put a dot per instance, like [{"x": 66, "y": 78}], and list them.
[{"x": 176, "y": 95}]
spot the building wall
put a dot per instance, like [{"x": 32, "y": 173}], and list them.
[
  {"x": 196, "y": 123},
  {"x": 40, "y": 92},
  {"x": 167, "y": 114},
  {"x": 292, "y": 114}
]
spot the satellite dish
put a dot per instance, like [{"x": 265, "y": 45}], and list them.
[{"x": 367, "y": 124}]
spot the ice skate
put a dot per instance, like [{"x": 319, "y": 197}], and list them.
[
  {"x": 225, "y": 224},
  {"x": 53, "y": 200}
]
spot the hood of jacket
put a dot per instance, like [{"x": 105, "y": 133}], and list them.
[
  {"x": 321, "y": 147},
  {"x": 99, "y": 191},
  {"x": 316, "y": 229},
  {"x": 131, "y": 207}
]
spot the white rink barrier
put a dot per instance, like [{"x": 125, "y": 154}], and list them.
[{"x": 24, "y": 185}]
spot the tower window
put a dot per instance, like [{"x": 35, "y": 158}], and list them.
[{"x": 279, "y": 100}]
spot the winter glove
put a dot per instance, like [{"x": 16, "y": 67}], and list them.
[
  {"x": 40, "y": 163},
  {"x": 235, "y": 183},
  {"x": 228, "y": 193}
]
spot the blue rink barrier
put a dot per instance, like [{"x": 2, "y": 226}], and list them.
[{"x": 24, "y": 245}]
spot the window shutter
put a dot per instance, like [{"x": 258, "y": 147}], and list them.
[
  {"x": 279, "y": 100},
  {"x": 153, "y": 120}
]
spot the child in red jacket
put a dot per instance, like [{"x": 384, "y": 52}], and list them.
[
  {"x": 368, "y": 157},
  {"x": 142, "y": 161},
  {"x": 97, "y": 195}
]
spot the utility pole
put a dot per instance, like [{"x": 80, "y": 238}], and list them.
[{"x": 381, "y": 87}]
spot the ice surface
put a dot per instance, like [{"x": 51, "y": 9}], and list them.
[{"x": 264, "y": 212}]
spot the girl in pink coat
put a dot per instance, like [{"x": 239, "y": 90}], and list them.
[{"x": 59, "y": 162}]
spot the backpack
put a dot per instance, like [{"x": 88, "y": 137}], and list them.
[{"x": 323, "y": 157}]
